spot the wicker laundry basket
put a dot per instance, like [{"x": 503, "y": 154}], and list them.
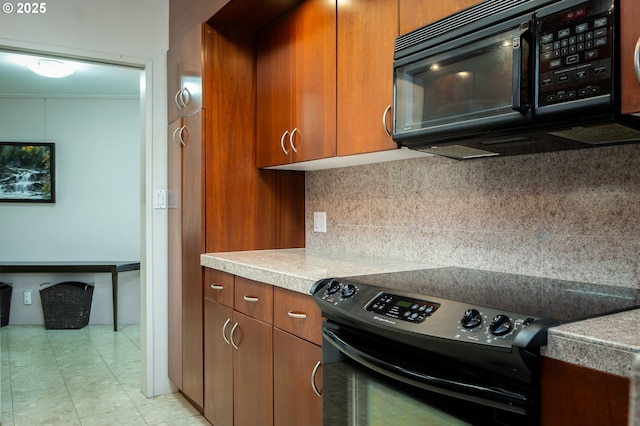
[{"x": 66, "y": 305}]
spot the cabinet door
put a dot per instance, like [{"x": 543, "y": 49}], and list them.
[
  {"x": 254, "y": 298},
  {"x": 192, "y": 248},
  {"x": 185, "y": 74},
  {"x": 252, "y": 372},
  {"x": 574, "y": 395},
  {"x": 174, "y": 67},
  {"x": 629, "y": 37},
  {"x": 219, "y": 286},
  {"x": 367, "y": 30},
  {"x": 174, "y": 185},
  {"x": 218, "y": 364},
  {"x": 314, "y": 80},
  {"x": 296, "y": 85},
  {"x": 192, "y": 69},
  {"x": 274, "y": 93},
  {"x": 294, "y": 362},
  {"x": 416, "y": 14},
  {"x": 297, "y": 314}
]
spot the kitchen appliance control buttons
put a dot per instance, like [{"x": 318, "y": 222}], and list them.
[
  {"x": 500, "y": 325},
  {"x": 334, "y": 286},
  {"x": 348, "y": 290},
  {"x": 471, "y": 318}
]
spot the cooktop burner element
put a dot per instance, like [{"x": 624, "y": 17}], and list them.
[{"x": 479, "y": 316}]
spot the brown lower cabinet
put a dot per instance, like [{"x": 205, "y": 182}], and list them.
[
  {"x": 254, "y": 372},
  {"x": 295, "y": 385},
  {"x": 575, "y": 395},
  {"x": 218, "y": 365}
]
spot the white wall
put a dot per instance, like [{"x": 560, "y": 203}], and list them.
[
  {"x": 96, "y": 216},
  {"x": 133, "y": 32}
]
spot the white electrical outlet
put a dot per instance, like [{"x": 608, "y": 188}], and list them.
[
  {"x": 320, "y": 222},
  {"x": 27, "y": 297}
]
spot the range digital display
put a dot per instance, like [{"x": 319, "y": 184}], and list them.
[{"x": 395, "y": 306}]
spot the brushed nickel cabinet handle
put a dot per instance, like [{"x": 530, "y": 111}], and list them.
[
  {"x": 293, "y": 133},
  {"x": 178, "y": 99},
  {"x": 233, "y": 330},
  {"x": 636, "y": 59},
  {"x": 251, "y": 299},
  {"x": 175, "y": 137},
  {"x": 313, "y": 379},
  {"x": 186, "y": 100},
  {"x": 216, "y": 287},
  {"x": 224, "y": 327},
  {"x": 284, "y": 135},
  {"x": 384, "y": 120},
  {"x": 298, "y": 315}
]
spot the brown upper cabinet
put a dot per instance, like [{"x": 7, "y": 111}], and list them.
[
  {"x": 184, "y": 75},
  {"x": 296, "y": 85},
  {"x": 366, "y": 35},
  {"x": 325, "y": 77}
]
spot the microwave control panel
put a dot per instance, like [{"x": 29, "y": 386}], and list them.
[{"x": 575, "y": 53}]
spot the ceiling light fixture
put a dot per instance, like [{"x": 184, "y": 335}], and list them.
[{"x": 51, "y": 68}]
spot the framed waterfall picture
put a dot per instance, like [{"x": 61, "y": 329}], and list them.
[{"x": 27, "y": 172}]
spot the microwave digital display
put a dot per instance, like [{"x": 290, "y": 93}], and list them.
[{"x": 574, "y": 14}]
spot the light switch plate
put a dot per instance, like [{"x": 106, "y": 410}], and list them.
[
  {"x": 159, "y": 199},
  {"x": 320, "y": 222}
]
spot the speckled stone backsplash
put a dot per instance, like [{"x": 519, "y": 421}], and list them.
[{"x": 572, "y": 215}]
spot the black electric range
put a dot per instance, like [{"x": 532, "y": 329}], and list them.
[{"x": 468, "y": 334}]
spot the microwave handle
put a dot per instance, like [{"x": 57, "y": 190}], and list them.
[{"x": 520, "y": 74}]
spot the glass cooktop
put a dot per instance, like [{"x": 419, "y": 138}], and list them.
[{"x": 556, "y": 299}]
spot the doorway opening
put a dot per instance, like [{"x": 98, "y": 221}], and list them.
[{"x": 98, "y": 118}]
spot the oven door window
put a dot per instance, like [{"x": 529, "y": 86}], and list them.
[
  {"x": 372, "y": 381},
  {"x": 358, "y": 398},
  {"x": 463, "y": 84}
]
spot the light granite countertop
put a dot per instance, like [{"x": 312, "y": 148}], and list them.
[
  {"x": 607, "y": 344},
  {"x": 299, "y": 269}
]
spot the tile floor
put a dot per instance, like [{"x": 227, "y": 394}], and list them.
[{"x": 81, "y": 377}]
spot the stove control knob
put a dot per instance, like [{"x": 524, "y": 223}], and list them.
[
  {"x": 334, "y": 286},
  {"x": 348, "y": 290},
  {"x": 471, "y": 318},
  {"x": 500, "y": 325}
]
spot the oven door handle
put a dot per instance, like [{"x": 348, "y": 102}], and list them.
[{"x": 491, "y": 396}]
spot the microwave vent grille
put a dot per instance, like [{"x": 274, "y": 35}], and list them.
[{"x": 483, "y": 10}]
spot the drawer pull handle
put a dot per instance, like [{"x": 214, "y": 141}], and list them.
[
  {"x": 313, "y": 379},
  {"x": 233, "y": 330},
  {"x": 252, "y": 299},
  {"x": 216, "y": 287},
  {"x": 224, "y": 327},
  {"x": 298, "y": 315}
]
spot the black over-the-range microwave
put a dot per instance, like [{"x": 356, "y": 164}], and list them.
[{"x": 508, "y": 77}]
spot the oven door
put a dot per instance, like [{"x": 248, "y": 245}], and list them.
[
  {"x": 368, "y": 380},
  {"x": 464, "y": 85}
]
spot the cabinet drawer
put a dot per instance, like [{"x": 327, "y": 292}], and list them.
[
  {"x": 218, "y": 286},
  {"x": 254, "y": 299},
  {"x": 298, "y": 314}
]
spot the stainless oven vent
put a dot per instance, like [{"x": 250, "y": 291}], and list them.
[{"x": 480, "y": 11}]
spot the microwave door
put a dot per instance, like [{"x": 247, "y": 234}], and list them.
[{"x": 463, "y": 87}]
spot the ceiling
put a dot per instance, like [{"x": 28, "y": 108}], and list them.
[{"x": 88, "y": 80}]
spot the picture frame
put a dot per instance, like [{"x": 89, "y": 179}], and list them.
[{"x": 27, "y": 172}]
